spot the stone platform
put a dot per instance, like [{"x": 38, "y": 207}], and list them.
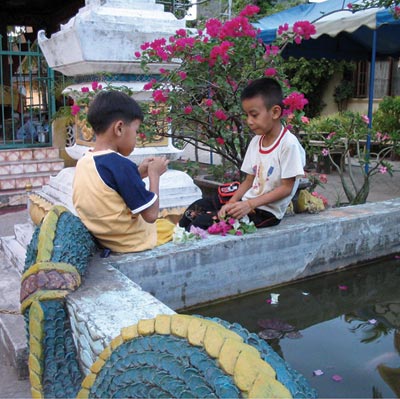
[
  {"x": 174, "y": 277},
  {"x": 301, "y": 246}
]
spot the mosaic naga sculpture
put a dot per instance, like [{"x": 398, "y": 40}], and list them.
[{"x": 168, "y": 356}]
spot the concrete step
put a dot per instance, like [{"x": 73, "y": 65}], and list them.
[
  {"x": 26, "y": 167},
  {"x": 20, "y": 181},
  {"x": 13, "y": 341},
  {"x": 13, "y": 189},
  {"x": 23, "y": 232},
  {"x": 29, "y": 154},
  {"x": 9, "y": 198},
  {"x": 14, "y": 252},
  {"x": 21, "y": 167}
]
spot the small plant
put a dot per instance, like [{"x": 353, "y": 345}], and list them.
[
  {"x": 316, "y": 180},
  {"x": 343, "y": 92},
  {"x": 192, "y": 168},
  {"x": 346, "y": 133},
  {"x": 223, "y": 173},
  {"x": 386, "y": 119}
]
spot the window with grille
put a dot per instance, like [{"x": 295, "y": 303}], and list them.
[{"x": 361, "y": 79}]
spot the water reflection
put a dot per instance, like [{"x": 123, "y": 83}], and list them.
[
  {"x": 391, "y": 375},
  {"x": 349, "y": 325}
]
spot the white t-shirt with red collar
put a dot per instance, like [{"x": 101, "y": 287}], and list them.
[{"x": 285, "y": 158}]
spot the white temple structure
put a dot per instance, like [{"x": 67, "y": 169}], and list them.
[{"x": 103, "y": 38}]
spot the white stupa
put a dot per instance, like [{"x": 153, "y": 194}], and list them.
[{"x": 103, "y": 37}]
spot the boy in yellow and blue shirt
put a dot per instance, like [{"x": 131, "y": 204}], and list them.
[{"x": 109, "y": 194}]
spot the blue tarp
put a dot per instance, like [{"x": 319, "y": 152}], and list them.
[{"x": 341, "y": 33}]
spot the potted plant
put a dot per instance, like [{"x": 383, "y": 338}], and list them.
[{"x": 343, "y": 92}]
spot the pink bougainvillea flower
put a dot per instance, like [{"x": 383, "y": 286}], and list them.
[
  {"x": 330, "y": 135},
  {"x": 325, "y": 152},
  {"x": 233, "y": 84},
  {"x": 85, "y": 89},
  {"x": 365, "y": 119},
  {"x": 237, "y": 27},
  {"x": 185, "y": 42},
  {"x": 197, "y": 231},
  {"x": 75, "y": 109},
  {"x": 303, "y": 30},
  {"x": 188, "y": 110},
  {"x": 238, "y": 233},
  {"x": 305, "y": 120},
  {"x": 323, "y": 178},
  {"x": 182, "y": 75},
  {"x": 156, "y": 111},
  {"x": 220, "y": 140},
  {"x": 283, "y": 28},
  {"x": 142, "y": 136},
  {"x": 290, "y": 117},
  {"x": 396, "y": 11},
  {"x": 295, "y": 101},
  {"x": 270, "y": 72},
  {"x": 160, "y": 96},
  {"x": 249, "y": 11},
  {"x": 95, "y": 85},
  {"x": 271, "y": 50},
  {"x": 145, "y": 46},
  {"x": 349, "y": 5},
  {"x": 219, "y": 114},
  {"x": 221, "y": 52},
  {"x": 343, "y": 287},
  {"x": 149, "y": 85},
  {"x": 209, "y": 102},
  {"x": 213, "y": 27},
  {"x": 181, "y": 32},
  {"x": 158, "y": 43},
  {"x": 382, "y": 169},
  {"x": 137, "y": 54}
]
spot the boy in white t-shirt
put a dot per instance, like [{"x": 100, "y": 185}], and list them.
[{"x": 273, "y": 162}]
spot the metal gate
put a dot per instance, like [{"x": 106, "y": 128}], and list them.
[{"x": 27, "y": 102}]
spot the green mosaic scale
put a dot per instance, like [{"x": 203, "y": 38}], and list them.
[{"x": 174, "y": 356}]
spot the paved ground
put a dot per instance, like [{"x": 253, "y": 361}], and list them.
[
  {"x": 10, "y": 386},
  {"x": 383, "y": 187}
]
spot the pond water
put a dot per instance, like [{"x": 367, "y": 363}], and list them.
[{"x": 345, "y": 336}]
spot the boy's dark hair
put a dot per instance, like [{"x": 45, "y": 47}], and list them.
[
  {"x": 109, "y": 106},
  {"x": 269, "y": 89}
]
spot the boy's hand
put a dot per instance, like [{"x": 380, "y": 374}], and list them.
[
  {"x": 158, "y": 166},
  {"x": 144, "y": 166},
  {"x": 237, "y": 209}
]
